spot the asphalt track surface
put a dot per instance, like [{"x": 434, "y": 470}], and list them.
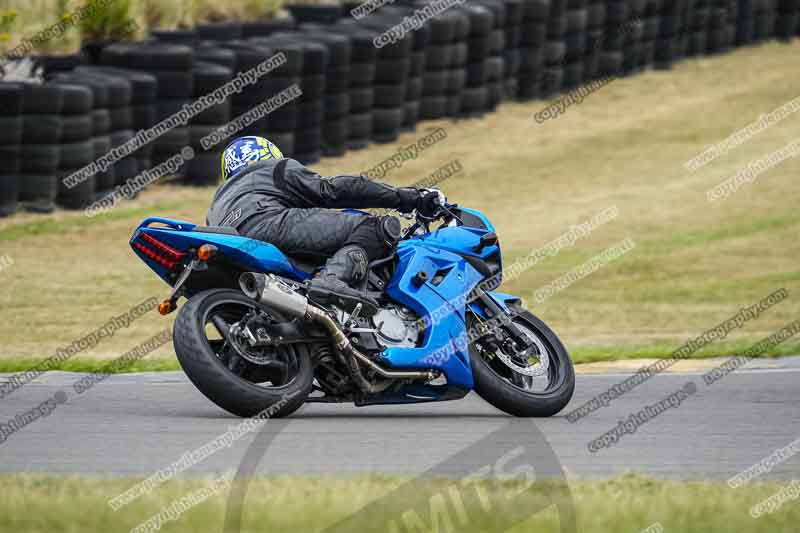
[{"x": 138, "y": 423}]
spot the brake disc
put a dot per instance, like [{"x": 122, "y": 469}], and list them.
[{"x": 535, "y": 370}]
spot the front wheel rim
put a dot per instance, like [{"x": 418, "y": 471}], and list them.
[{"x": 538, "y": 378}]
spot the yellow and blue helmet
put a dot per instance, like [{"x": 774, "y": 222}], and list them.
[{"x": 245, "y": 151}]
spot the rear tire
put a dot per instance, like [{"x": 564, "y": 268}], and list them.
[
  {"x": 502, "y": 394},
  {"x": 213, "y": 378}
]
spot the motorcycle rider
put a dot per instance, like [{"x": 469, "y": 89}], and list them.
[{"x": 271, "y": 198}]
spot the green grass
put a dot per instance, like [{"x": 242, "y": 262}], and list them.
[
  {"x": 34, "y": 503},
  {"x": 695, "y": 264}
]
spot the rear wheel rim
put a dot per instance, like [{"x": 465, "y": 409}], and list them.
[{"x": 280, "y": 365}]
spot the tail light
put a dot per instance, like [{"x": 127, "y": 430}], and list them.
[{"x": 161, "y": 253}]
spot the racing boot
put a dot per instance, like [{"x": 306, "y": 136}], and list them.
[{"x": 331, "y": 285}]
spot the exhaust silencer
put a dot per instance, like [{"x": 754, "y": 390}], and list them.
[{"x": 273, "y": 292}]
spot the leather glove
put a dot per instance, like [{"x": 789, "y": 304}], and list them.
[
  {"x": 428, "y": 204},
  {"x": 409, "y": 198}
]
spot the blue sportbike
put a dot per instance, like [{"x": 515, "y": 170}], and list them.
[{"x": 252, "y": 341}]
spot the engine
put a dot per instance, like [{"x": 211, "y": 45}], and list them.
[{"x": 397, "y": 326}]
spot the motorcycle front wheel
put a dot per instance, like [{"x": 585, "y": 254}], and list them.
[{"x": 536, "y": 383}]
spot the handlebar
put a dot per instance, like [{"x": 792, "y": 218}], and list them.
[{"x": 445, "y": 213}]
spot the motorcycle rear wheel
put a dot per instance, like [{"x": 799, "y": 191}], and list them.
[{"x": 225, "y": 377}]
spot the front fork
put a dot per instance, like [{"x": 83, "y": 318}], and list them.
[{"x": 494, "y": 311}]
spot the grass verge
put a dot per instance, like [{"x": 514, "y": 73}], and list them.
[{"x": 34, "y": 504}]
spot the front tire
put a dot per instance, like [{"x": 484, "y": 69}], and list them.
[
  {"x": 228, "y": 387},
  {"x": 495, "y": 381}
]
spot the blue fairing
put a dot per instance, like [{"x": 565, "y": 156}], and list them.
[
  {"x": 446, "y": 255},
  {"x": 501, "y": 299},
  {"x": 251, "y": 254},
  {"x": 442, "y": 304}
]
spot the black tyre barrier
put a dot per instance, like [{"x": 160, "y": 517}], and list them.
[
  {"x": 386, "y": 123},
  {"x": 144, "y": 86},
  {"x": 210, "y": 52},
  {"x": 284, "y": 141},
  {"x": 103, "y": 180},
  {"x": 552, "y": 81},
  {"x": 184, "y": 37},
  {"x": 152, "y": 56},
  {"x": 37, "y": 192},
  {"x": 577, "y": 20},
  {"x": 174, "y": 84},
  {"x": 97, "y": 85},
  {"x": 264, "y": 28},
  {"x": 334, "y": 137},
  {"x": 93, "y": 50},
  {"x": 596, "y": 14},
  {"x": 51, "y": 64},
  {"x": 39, "y": 158},
  {"x": 220, "y": 31},
  {"x": 338, "y": 105},
  {"x": 440, "y": 56},
  {"x": 323, "y": 14},
  {"x": 290, "y": 48},
  {"x": 40, "y": 153},
  {"x": 327, "y": 115},
  {"x": 11, "y": 99},
  {"x": 432, "y": 107},
  {"x": 77, "y": 197},
  {"x": 359, "y": 130},
  {"x": 204, "y": 168},
  {"x": 535, "y": 10},
  {"x": 535, "y": 15},
  {"x": 42, "y": 99},
  {"x": 121, "y": 118},
  {"x": 126, "y": 168},
  {"x": 171, "y": 65},
  {"x": 410, "y": 115},
  {"x": 308, "y": 145},
  {"x": 362, "y": 100},
  {"x": 9, "y": 192},
  {"x": 207, "y": 78},
  {"x": 11, "y": 129},
  {"x": 484, "y": 48},
  {"x": 283, "y": 119}
]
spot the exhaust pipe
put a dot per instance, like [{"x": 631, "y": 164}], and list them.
[{"x": 279, "y": 295}]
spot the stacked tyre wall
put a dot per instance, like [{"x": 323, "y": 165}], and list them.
[
  {"x": 532, "y": 41},
  {"x": 462, "y": 62},
  {"x": 433, "y": 104},
  {"x": 362, "y": 85},
  {"x": 392, "y": 70},
  {"x": 76, "y": 148},
  {"x": 513, "y": 37},
  {"x": 11, "y": 107},
  {"x": 788, "y": 21},
  {"x": 555, "y": 49},
  {"x": 88, "y": 185},
  {"x": 413, "y": 93},
  {"x": 495, "y": 62},
  {"x": 475, "y": 97},
  {"x": 40, "y": 150}
]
